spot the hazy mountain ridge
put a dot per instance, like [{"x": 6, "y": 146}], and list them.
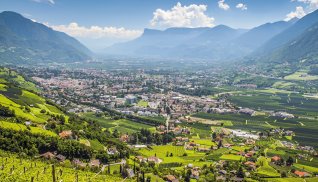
[
  {"x": 294, "y": 44},
  {"x": 23, "y": 40},
  {"x": 218, "y": 43}
]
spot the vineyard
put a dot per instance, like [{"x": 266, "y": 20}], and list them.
[{"x": 15, "y": 169}]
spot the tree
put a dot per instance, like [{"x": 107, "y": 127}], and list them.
[
  {"x": 220, "y": 144},
  {"x": 289, "y": 161},
  {"x": 116, "y": 133},
  {"x": 240, "y": 172}
]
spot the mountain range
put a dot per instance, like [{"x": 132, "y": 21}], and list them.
[
  {"x": 278, "y": 41},
  {"x": 217, "y": 43},
  {"x": 23, "y": 40}
]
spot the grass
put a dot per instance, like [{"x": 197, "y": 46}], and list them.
[
  {"x": 283, "y": 84},
  {"x": 96, "y": 145},
  {"x": 178, "y": 152},
  {"x": 301, "y": 75},
  {"x": 306, "y": 168},
  {"x": 122, "y": 125},
  {"x": 142, "y": 103},
  {"x": 265, "y": 170},
  {"x": 34, "y": 130},
  {"x": 231, "y": 157},
  {"x": 291, "y": 179}
]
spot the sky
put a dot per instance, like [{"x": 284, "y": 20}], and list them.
[{"x": 101, "y": 23}]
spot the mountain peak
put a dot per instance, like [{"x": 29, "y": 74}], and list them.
[{"x": 36, "y": 41}]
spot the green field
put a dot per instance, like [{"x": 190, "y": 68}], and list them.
[
  {"x": 305, "y": 126},
  {"x": 265, "y": 170},
  {"x": 34, "y": 130},
  {"x": 177, "y": 152},
  {"x": 142, "y": 103},
  {"x": 122, "y": 125},
  {"x": 301, "y": 75},
  {"x": 18, "y": 100},
  {"x": 231, "y": 157},
  {"x": 24, "y": 169},
  {"x": 306, "y": 168}
]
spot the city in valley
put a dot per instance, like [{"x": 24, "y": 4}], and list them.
[{"x": 160, "y": 91}]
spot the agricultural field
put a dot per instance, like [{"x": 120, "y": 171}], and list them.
[
  {"x": 265, "y": 170},
  {"x": 122, "y": 125},
  {"x": 305, "y": 110},
  {"x": 9, "y": 76},
  {"x": 25, "y": 102},
  {"x": 301, "y": 75},
  {"x": 283, "y": 85},
  {"x": 179, "y": 154},
  {"x": 19, "y": 170},
  {"x": 22, "y": 127}
]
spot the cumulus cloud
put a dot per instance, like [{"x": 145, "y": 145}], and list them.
[
  {"x": 223, "y": 5},
  {"x": 298, "y": 13},
  {"x": 182, "y": 16},
  {"x": 45, "y": 1},
  {"x": 241, "y": 6},
  {"x": 96, "y": 32},
  {"x": 312, "y": 4}
]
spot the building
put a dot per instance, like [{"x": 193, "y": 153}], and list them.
[
  {"x": 66, "y": 134},
  {"x": 130, "y": 99}
]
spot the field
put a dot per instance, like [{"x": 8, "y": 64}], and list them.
[
  {"x": 18, "y": 100},
  {"x": 34, "y": 130},
  {"x": 231, "y": 157},
  {"x": 306, "y": 168},
  {"x": 290, "y": 179},
  {"x": 301, "y": 75},
  {"x": 142, "y": 103},
  {"x": 178, "y": 154},
  {"x": 265, "y": 170},
  {"x": 20, "y": 170},
  {"x": 122, "y": 125},
  {"x": 7, "y": 75},
  {"x": 305, "y": 126}
]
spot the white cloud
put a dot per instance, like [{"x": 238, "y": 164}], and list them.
[
  {"x": 96, "y": 32},
  {"x": 223, "y": 5},
  {"x": 45, "y": 1},
  {"x": 312, "y": 4},
  {"x": 298, "y": 13},
  {"x": 241, "y": 6},
  {"x": 182, "y": 16}
]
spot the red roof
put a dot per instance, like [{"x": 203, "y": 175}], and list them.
[
  {"x": 275, "y": 158},
  {"x": 301, "y": 173}
]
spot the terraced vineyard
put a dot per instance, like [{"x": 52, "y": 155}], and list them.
[{"x": 18, "y": 170}]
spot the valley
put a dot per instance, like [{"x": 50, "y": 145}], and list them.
[{"x": 183, "y": 98}]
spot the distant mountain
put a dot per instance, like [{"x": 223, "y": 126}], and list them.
[
  {"x": 208, "y": 43},
  {"x": 219, "y": 43},
  {"x": 24, "y": 41},
  {"x": 297, "y": 42},
  {"x": 257, "y": 36}
]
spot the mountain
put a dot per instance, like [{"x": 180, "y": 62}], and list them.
[
  {"x": 303, "y": 48},
  {"x": 291, "y": 37},
  {"x": 22, "y": 40},
  {"x": 257, "y": 36},
  {"x": 218, "y": 43},
  {"x": 207, "y": 43}
]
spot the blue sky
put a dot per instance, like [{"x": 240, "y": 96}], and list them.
[{"x": 99, "y": 23}]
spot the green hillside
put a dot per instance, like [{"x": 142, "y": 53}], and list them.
[
  {"x": 24, "y": 41},
  {"x": 30, "y": 125}
]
